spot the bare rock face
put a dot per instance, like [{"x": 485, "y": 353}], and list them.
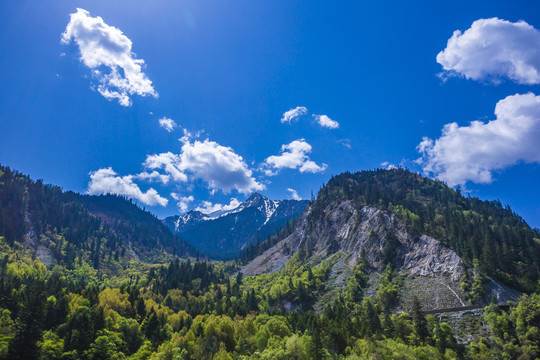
[
  {"x": 345, "y": 234},
  {"x": 376, "y": 233},
  {"x": 428, "y": 257},
  {"x": 40, "y": 246}
]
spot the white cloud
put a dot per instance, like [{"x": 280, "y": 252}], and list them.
[
  {"x": 107, "y": 181},
  {"x": 153, "y": 176},
  {"x": 208, "y": 207},
  {"x": 167, "y": 124},
  {"x": 294, "y": 194},
  {"x": 188, "y": 135},
  {"x": 493, "y": 49},
  {"x": 473, "y": 152},
  {"x": 105, "y": 47},
  {"x": 294, "y": 114},
  {"x": 219, "y": 166},
  {"x": 325, "y": 121},
  {"x": 388, "y": 166},
  {"x": 293, "y": 156},
  {"x": 169, "y": 162},
  {"x": 346, "y": 143},
  {"x": 183, "y": 201}
]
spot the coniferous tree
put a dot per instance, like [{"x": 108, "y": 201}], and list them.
[
  {"x": 29, "y": 328},
  {"x": 317, "y": 351},
  {"x": 419, "y": 321}
]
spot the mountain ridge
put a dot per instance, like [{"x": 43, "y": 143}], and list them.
[
  {"x": 413, "y": 224},
  {"x": 255, "y": 218},
  {"x": 63, "y": 227}
]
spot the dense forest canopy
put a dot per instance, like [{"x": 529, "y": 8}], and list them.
[{"x": 198, "y": 310}]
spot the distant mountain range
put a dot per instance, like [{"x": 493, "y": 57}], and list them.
[{"x": 223, "y": 234}]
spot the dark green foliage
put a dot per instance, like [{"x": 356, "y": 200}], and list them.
[
  {"x": 29, "y": 327},
  {"x": 195, "y": 277},
  {"x": 419, "y": 321},
  {"x": 135, "y": 321},
  {"x": 317, "y": 350},
  {"x": 256, "y": 249},
  {"x": 98, "y": 229}
]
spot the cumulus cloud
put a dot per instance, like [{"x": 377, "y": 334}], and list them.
[
  {"x": 293, "y": 156},
  {"x": 183, "y": 201},
  {"x": 107, "y": 181},
  {"x": 153, "y": 176},
  {"x": 294, "y": 194},
  {"x": 207, "y": 207},
  {"x": 474, "y": 152},
  {"x": 219, "y": 166},
  {"x": 492, "y": 49},
  {"x": 107, "y": 51},
  {"x": 169, "y": 162},
  {"x": 167, "y": 124},
  {"x": 294, "y": 114},
  {"x": 326, "y": 122}
]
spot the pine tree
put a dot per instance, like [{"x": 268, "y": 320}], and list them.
[
  {"x": 419, "y": 321},
  {"x": 24, "y": 345},
  {"x": 317, "y": 350}
]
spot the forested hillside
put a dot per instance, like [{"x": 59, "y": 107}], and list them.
[
  {"x": 64, "y": 227},
  {"x": 486, "y": 232}
]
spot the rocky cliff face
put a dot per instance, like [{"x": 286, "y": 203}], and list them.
[
  {"x": 348, "y": 233},
  {"x": 379, "y": 234}
]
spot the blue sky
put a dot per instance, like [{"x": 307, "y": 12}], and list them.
[{"x": 226, "y": 72}]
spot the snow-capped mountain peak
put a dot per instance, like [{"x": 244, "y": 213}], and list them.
[{"x": 256, "y": 217}]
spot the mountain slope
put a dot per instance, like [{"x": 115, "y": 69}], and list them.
[
  {"x": 482, "y": 232},
  {"x": 225, "y": 234},
  {"x": 417, "y": 226},
  {"x": 62, "y": 227}
]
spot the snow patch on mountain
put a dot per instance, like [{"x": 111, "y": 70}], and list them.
[{"x": 234, "y": 229}]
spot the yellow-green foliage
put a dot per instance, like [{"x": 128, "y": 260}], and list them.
[
  {"x": 148, "y": 320},
  {"x": 387, "y": 293},
  {"x": 6, "y": 331},
  {"x": 277, "y": 285},
  {"x": 404, "y": 213},
  {"x": 510, "y": 335},
  {"x": 179, "y": 320},
  {"x": 389, "y": 349},
  {"x": 114, "y": 300},
  {"x": 52, "y": 346}
]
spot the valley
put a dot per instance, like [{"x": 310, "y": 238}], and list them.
[{"x": 380, "y": 263}]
